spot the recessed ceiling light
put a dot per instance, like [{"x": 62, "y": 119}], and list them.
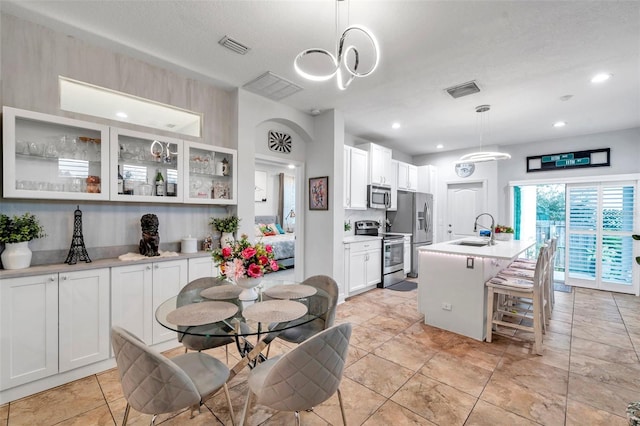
[
  {"x": 121, "y": 114},
  {"x": 439, "y": 146},
  {"x": 395, "y": 125},
  {"x": 599, "y": 78},
  {"x": 291, "y": 166},
  {"x": 559, "y": 124}
]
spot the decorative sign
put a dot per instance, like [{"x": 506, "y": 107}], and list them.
[
  {"x": 279, "y": 142},
  {"x": 569, "y": 160}
]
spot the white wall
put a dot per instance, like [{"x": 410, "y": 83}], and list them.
[
  {"x": 484, "y": 172},
  {"x": 270, "y": 207}
]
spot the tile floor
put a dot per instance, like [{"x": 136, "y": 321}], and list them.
[{"x": 403, "y": 372}]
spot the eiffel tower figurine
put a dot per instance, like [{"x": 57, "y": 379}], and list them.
[{"x": 77, "y": 250}]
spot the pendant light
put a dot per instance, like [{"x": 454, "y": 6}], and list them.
[
  {"x": 482, "y": 156},
  {"x": 339, "y": 61}
]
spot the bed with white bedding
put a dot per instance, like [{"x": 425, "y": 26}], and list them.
[{"x": 283, "y": 244}]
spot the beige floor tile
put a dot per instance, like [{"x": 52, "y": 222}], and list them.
[
  {"x": 457, "y": 373},
  {"x": 367, "y": 338},
  {"x": 594, "y": 312},
  {"x": 630, "y": 315},
  {"x": 117, "y": 408},
  {"x": 481, "y": 354},
  {"x": 611, "y": 372},
  {"x": 220, "y": 408},
  {"x": 602, "y": 335},
  {"x": 484, "y": 414},
  {"x": 603, "y": 396},
  {"x": 4, "y": 414},
  {"x": 429, "y": 336},
  {"x": 356, "y": 313},
  {"x": 406, "y": 352},
  {"x": 109, "y": 382},
  {"x": 533, "y": 403},
  {"x": 532, "y": 374},
  {"x": 388, "y": 324},
  {"x": 378, "y": 374},
  {"x": 354, "y": 354},
  {"x": 551, "y": 356},
  {"x": 393, "y": 414},
  {"x": 435, "y": 401},
  {"x": 579, "y": 414},
  {"x": 100, "y": 416},
  {"x": 557, "y": 326},
  {"x": 626, "y": 300},
  {"x": 593, "y": 349},
  {"x": 58, "y": 404},
  {"x": 359, "y": 402},
  {"x": 288, "y": 418},
  {"x": 203, "y": 418},
  {"x": 614, "y": 326}
]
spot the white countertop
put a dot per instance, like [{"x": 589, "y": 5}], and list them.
[
  {"x": 501, "y": 250},
  {"x": 359, "y": 238}
]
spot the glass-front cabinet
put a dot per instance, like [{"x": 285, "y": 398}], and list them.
[
  {"x": 210, "y": 174},
  {"x": 50, "y": 157},
  {"x": 145, "y": 167}
]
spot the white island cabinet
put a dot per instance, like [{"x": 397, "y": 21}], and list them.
[{"x": 451, "y": 290}]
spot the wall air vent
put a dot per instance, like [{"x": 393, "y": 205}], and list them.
[
  {"x": 272, "y": 86},
  {"x": 464, "y": 89},
  {"x": 234, "y": 45}
]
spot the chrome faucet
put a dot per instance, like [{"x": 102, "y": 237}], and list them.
[{"x": 492, "y": 228}]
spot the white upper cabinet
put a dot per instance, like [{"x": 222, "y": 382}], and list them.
[
  {"x": 355, "y": 178},
  {"x": 407, "y": 177},
  {"x": 150, "y": 167},
  {"x": 394, "y": 185},
  {"x": 49, "y": 157},
  {"x": 210, "y": 174},
  {"x": 379, "y": 164},
  {"x": 428, "y": 179}
]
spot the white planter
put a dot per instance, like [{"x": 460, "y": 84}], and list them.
[
  {"x": 503, "y": 236},
  {"x": 226, "y": 240},
  {"x": 247, "y": 284},
  {"x": 16, "y": 255}
]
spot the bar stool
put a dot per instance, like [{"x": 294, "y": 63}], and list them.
[{"x": 515, "y": 289}]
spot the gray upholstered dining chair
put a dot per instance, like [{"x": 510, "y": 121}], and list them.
[
  {"x": 304, "y": 377},
  {"x": 302, "y": 332},
  {"x": 154, "y": 384},
  {"x": 201, "y": 343}
]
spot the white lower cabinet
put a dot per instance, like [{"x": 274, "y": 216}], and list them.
[
  {"x": 52, "y": 323},
  {"x": 407, "y": 254},
  {"x": 201, "y": 267},
  {"x": 363, "y": 265},
  {"x": 136, "y": 292}
]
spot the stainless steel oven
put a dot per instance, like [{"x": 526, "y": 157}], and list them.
[{"x": 392, "y": 260}]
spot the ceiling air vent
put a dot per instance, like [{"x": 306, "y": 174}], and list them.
[
  {"x": 464, "y": 89},
  {"x": 272, "y": 86},
  {"x": 234, "y": 45}
]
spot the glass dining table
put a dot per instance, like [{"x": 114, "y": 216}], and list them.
[{"x": 213, "y": 309}]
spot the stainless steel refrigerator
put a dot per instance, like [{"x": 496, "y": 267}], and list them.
[{"x": 414, "y": 215}]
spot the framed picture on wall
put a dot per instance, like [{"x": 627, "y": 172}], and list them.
[{"x": 319, "y": 193}]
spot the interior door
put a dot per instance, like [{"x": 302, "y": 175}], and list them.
[{"x": 465, "y": 201}]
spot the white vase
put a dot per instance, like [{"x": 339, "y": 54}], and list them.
[
  {"x": 226, "y": 240},
  {"x": 247, "y": 285},
  {"x": 503, "y": 236},
  {"x": 16, "y": 255}
]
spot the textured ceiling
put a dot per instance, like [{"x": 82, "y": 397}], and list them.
[{"x": 524, "y": 55}]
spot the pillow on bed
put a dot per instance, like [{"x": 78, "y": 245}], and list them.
[
  {"x": 267, "y": 231},
  {"x": 279, "y": 228},
  {"x": 258, "y": 231}
]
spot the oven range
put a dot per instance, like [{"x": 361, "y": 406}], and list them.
[{"x": 392, "y": 252}]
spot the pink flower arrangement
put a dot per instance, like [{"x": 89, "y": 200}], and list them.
[{"x": 244, "y": 260}]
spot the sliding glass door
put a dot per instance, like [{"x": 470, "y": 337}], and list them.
[{"x": 601, "y": 218}]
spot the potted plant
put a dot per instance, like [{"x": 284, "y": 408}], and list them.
[
  {"x": 503, "y": 233},
  {"x": 637, "y": 238},
  {"x": 15, "y": 233},
  {"x": 227, "y": 226}
]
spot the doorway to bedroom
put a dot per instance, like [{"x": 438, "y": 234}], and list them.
[{"x": 278, "y": 210}]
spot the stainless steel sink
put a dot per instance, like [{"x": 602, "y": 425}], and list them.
[{"x": 474, "y": 243}]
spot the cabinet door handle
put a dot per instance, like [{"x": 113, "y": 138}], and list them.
[
  {"x": 52, "y": 279},
  {"x": 156, "y": 266},
  {"x": 64, "y": 277},
  {"x": 148, "y": 268}
]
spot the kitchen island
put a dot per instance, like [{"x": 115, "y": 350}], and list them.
[{"x": 451, "y": 290}]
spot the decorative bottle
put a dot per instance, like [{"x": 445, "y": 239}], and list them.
[
  {"x": 159, "y": 184},
  {"x": 120, "y": 182}
]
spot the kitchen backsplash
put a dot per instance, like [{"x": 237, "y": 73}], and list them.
[{"x": 352, "y": 216}]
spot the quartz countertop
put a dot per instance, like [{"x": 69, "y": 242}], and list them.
[
  {"x": 360, "y": 238},
  {"x": 501, "y": 249},
  {"x": 96, "y": 264}
]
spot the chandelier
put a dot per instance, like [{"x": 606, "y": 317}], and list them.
[
  {"x": 482, "y": 156},
  {"x": 340, "y": 60}
]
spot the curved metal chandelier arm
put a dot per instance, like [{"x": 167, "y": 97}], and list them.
[{"x": 314, "y": 77}]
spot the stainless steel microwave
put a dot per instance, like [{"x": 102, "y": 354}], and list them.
[{"x": 378, "y": 197}]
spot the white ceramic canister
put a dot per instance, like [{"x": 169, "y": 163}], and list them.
[{"x": 189, "y": 245}]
